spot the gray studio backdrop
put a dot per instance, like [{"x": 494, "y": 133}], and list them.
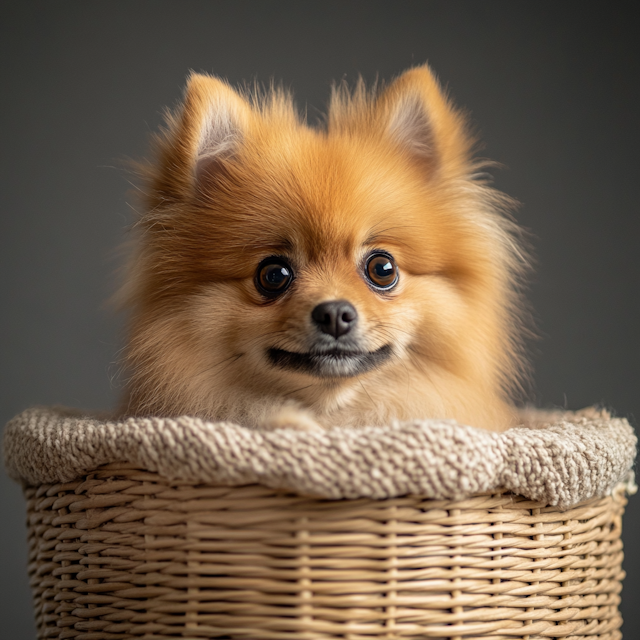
[{"x": 553, "y": 89}]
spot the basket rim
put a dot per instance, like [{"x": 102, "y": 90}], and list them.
[{"x": 559, "y": 458}]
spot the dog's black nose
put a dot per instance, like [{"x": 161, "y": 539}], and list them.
[{"x": 336, "y": 317}]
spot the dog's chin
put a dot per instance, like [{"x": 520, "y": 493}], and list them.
[{"x": 332, "y": 363}]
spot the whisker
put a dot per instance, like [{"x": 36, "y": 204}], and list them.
[
  {"x": 363, "y": 388},
  {"x": 284, "y": 395},
  {"x": 235, "y": 357}
]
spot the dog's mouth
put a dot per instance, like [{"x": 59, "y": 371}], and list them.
[{"x": 333, "y": 363}]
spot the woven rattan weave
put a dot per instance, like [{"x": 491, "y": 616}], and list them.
[{"x": 124, "y": 553}]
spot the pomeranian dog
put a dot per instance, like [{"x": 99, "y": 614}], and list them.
[{"x": 355, "y": 274}]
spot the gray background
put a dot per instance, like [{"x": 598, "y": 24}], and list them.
[{"x": 553, "y": 89}]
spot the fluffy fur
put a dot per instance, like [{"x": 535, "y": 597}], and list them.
[{"x": 238, "y": 177}]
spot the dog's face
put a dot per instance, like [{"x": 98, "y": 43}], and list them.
[
  {"x": 316, "y": 286},
  {"x": 285, "y": 262}
]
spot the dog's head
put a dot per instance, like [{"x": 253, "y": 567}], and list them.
[{"x": 281, "y": 261}]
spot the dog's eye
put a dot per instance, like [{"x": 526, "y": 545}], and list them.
[
  {"x": 381, "y": 271},
  {"x": 273, "y": 277}
]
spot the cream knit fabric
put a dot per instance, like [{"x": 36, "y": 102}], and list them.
[{"x": 573, "y": 457}]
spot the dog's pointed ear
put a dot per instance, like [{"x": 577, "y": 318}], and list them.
[
  {"x": 207, "y": 131},
  {"x": 418, "y": 116},
  {"x": 219, "y": 118}
]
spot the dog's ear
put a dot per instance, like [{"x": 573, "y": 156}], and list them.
[
  {"x": 218, "y": 118},
  {"x": 206, "y": 131},
  {"x": 416, "y": 113}
]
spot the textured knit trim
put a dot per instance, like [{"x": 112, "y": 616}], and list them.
[{"x": 573, "y": 457}]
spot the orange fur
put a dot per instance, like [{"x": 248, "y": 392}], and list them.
[{"x": 239, "y": 177}]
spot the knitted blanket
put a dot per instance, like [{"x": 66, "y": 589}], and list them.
[{"x": 557, "y": 458}]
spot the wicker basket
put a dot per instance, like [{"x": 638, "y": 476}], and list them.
[{"x": 123, "y": 552}]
